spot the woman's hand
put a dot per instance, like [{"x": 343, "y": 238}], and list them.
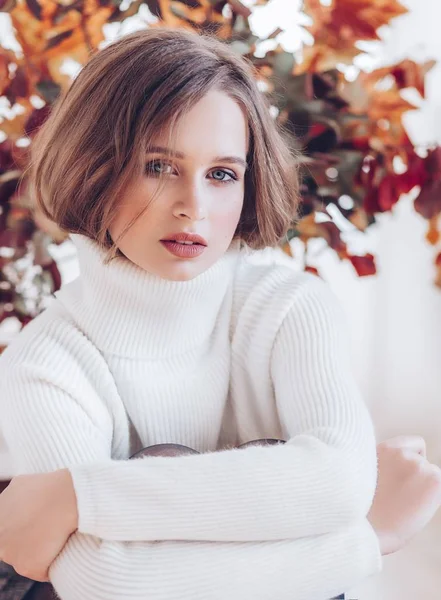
[
  {"x": 38, "y": 513},
  {"x": 408, "y": 492}
]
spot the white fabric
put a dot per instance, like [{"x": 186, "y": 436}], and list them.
[{"x": 247, "y": 349}]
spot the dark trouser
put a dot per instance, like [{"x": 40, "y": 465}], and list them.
[{"x": 16, "y": 587}]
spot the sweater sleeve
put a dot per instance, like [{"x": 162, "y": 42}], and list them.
[
  {"x": 310, "y": 568},
  {"x": 323, "y": 479},
  {"x": 48, "y": 427}
]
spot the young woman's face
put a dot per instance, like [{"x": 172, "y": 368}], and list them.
[{"x": 203, "y": 192}]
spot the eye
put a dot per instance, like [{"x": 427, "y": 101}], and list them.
[
  {"x": 154, "y": 167},
  {"x": 220, "y": 172}
]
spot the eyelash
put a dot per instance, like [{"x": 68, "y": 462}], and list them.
[{"x": 150, "y": 171}]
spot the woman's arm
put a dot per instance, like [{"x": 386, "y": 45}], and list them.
[
  {"x": 319, "y": 567},
  {"x": 47, "y": 428},
  {"x": 321, "y": 480}
]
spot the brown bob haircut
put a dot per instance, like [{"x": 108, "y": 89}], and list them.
[{"x": 95, "y": 139}]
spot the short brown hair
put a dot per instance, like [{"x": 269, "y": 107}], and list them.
[{"x": 95, "y": 139}]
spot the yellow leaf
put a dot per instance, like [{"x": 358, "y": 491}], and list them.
[
  {"x": 287, "y": 249},
  {"x": 433, "y": 233},
  {"x": 14, "y": 128}
]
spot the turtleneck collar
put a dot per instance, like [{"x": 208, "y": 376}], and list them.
[{"x": 127, "y": 311}]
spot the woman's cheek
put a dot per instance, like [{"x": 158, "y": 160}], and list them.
[{"x": 227, "y": 220}]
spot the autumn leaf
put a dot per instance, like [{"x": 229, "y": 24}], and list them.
[
  {"x": 406, "y": 74},
  {"x": 428, "y": 202},
  {"x": 438, "y": 270},
  {"x": 433, "y": 232},
  {"x": 359, "y": 218},
  {"x": 286, "y": 247},
  {"x": 14, "y": 128},
  {"x": 389, "y": 192},
  {"x": 312, "y": 270},
  {"x": 364, "y": 265},
  {"x": 4, "y": 71},
  {"x": 378, "y": 104},
  {"x": 388, "y": 105},
  {"x": 308, "y": 228},
  {"x": 6, "y": 159},
  {"x": 338, "y": 26},
  {"x": 349, "y": 136},
  {"x": 36, "y": 120}
]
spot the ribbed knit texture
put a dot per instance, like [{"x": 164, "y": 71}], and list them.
[{"x": 248, "y": 349}]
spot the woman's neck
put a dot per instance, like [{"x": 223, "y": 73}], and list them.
[{"x": 127, "y": 311}]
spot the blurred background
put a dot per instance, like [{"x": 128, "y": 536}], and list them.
[{"x": 379, "y": 252}]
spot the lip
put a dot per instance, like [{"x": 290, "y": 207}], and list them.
[
  {"x": 185, "y": 237},
  {"x": 187, "y": 251}
]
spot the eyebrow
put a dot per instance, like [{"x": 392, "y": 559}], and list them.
[{"x": 177, "y": 154}]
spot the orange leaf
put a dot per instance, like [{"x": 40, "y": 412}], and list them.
[
  {"x": 4, "y": 72},
  {"x": 406, "y": 74},
  {"x": 287, "y": 249},
  {"x": 95, "y": 24},
  {"x": 309, "y": 228},
  {"x": 388, "y": 104},
  {"x": 359, "y": 219},
  {"x": 312, "y": 270},
  {"x": 14, "y": 128},
  {"x": 437, "y": 280},
  {"x": 337, "y": 27},
  {"x": 433, "y": 233}
]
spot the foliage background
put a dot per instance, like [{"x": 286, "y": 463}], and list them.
[{"x": 357, "y": 158}]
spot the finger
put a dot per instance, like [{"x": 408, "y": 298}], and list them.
[{"x": 415, "y": 443}]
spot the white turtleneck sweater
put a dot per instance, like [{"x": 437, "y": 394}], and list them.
[{"x": 250, "y": 348}]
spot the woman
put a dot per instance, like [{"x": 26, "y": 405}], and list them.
[{"x": 164, "y": 164}]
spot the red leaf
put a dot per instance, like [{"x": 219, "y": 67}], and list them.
[
  {"x": 332, "y": 234},
  {"x": 317, "y": 129},
  {"x": 388, "y": 194},
  {"x": 370, "y": 202},
  {"x": 364, "y": 265},
  {"x": 8, "y": 189},
  {"x": 433, "y": 163},
  {"x": 312, "y": 270},
  {"x": 428, "y": 202},
  {"x": 36, "y": 119},
  {"x": 19, "y": 87},
  {"x": 6, "y": 159},
  {"x": 53, "y": 271},
  {"x": 415, "y": 175}
]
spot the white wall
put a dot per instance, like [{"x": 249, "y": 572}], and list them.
[{"x": 396, "y": 322}]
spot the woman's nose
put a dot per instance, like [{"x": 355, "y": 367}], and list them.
[{"x": 192, "y": 203}]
